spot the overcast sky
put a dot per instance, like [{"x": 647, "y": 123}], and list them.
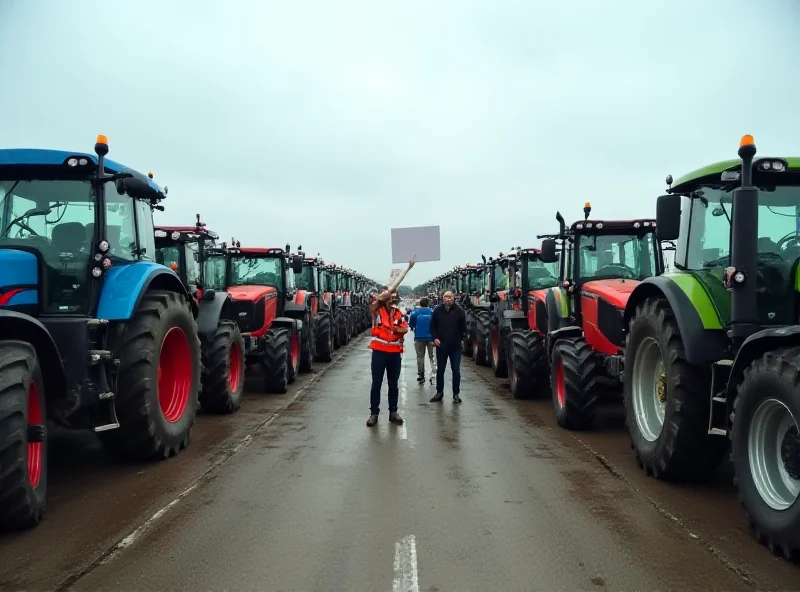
[{"x": 328, "y": 123}]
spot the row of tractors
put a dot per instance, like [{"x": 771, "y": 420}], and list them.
[
  {"x": 704, "y": 358},
  {"x": 111, "y": 324}
]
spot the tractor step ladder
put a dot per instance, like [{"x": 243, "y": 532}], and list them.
[{"x": 718, "y": 412}]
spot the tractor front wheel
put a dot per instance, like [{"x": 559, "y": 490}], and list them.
[
  {"x": 158, "y": 380},
  {"x": 307, "y": 346},
  {"x": 527, "y": 364},
  {"x": 276, "y": 360},
  {"x": 223, "y": 370},
  {"x": 666, "y": 399},
  {"x": 498, "y": 352},
  {"x": 573, "y": 376},
  {"x": 23, "y": 437},
  {"x": 482, "y": 332},
  {"x": 765, "y": 449},
  {"x": 325, "y": 344}
]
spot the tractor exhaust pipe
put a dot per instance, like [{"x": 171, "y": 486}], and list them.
[
  {"x": 562, "y": 226},
  {"x": 740, "y": 277}
]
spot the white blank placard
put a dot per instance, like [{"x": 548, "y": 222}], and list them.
[{"x": 417, "y": 242}]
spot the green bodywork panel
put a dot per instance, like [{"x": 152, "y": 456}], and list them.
[
  {"x": 562, "y": 301},
  {"x": 728, "y": 165},
  {"x": 701, "y": 287}
]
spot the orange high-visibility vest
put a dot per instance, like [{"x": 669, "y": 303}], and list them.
[{"x": 383, "y": 338}]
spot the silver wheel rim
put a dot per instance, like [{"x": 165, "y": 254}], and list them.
[
  {"x": 649, "y": 390},
  {"x": 771, "y": 422}
]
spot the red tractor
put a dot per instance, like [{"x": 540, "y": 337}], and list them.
[
  {"x": 183, "y": 249},
  {"x": 602, "y": 261},
  {"x": 273, "y": 315},
  {"x": 313, "y": 280}
]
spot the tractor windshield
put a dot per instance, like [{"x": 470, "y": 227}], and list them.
[
  {"x": 608, "y": 256},
  {"x": 542, "y": 275},
  {"x": 57, "y": 218},
  {"x": 247, "y": 270},
  {"x": 305, "y": 280}
]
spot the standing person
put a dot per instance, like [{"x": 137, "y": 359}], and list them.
[
  {"x": 419, "y": 322},
  {"x": 388, "y": 331},
  {"x": 448, "y": 327}
]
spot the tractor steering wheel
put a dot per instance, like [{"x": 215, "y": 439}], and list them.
[{"x": 617, "y": 269}]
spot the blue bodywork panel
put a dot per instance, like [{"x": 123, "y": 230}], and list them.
[
  {"x": 123, "y": 286},
  {"x": 40, "y": 157},
  {"x": 18, "y": 269}
]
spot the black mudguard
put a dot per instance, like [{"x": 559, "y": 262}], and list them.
[
  {"x": 515, "y": 319},
  {"x": 211, "y": 311},
  {"x": 702, "y": 346}
]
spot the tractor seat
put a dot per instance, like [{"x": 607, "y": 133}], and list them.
[{"x": 68, "y": 237}]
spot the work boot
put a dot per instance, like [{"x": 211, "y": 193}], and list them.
[
  {"x": 372, "y": 421},
  {"x": 420, "y": 378},
  {"x": 395, "y": 418},
  {"x": 456, "y": 399},
  {"x": 437, "y": 397}
]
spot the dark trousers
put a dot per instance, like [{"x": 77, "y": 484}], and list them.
[
  {"x": 389, "y": 363},
  {"x": 454, "y": 355}
]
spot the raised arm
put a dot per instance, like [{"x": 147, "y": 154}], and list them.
[{"x": 396, "y": 284}]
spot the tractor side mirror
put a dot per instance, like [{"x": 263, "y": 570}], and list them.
[
  {"x": 297, "y": 264},
  {"x": 549, "y": 253},
  {"x": 135, "y": 186},
  {"x": 668, "y": 217}
]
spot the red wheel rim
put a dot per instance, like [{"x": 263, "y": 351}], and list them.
[
  {"x": 561, "y": 391},
  {"x": 495, "y": 347},
  {"x": 235, "y": 371},
  {"x": 475, "y": 344},
  {"x": 35, "y": 450},
  {"x": 295, "y": 348},
  {"x": 174, "y": 374}
]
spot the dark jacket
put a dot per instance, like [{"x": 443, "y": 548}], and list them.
[{"x": 448, "y": 326}]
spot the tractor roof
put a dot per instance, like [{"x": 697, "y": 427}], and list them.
[
  {"x": 608, "y": 226},
  {"x": 734, "y": 164},
  {"x": 38, "y": 157},
  {"x": 256, "y": 251},
  {"x": 187, "y": 230}
]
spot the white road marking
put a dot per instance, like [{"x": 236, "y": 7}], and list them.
[{"x": 406, "y": 578}]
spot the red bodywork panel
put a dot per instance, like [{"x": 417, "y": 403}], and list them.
[
  {"x": 535, "y": 296},
  {"x": 254, "y": 293},
  {"x": 300, "y": 298},
  {"x": 327, "y": 297},
  {"x": 616, "y": 293}
]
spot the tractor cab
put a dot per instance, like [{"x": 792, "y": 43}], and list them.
[{"x": 184, "y": 249}]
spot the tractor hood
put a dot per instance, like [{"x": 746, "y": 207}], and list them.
[
  {"x": 616, "y": 292},
  {"x": 250, "y": 292}
]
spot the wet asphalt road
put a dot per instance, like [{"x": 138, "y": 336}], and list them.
[{"x": 486, "y": 495}]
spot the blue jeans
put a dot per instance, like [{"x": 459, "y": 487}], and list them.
[
  {"x": 389, "y": 363},
  {"x": 454, "y": 355}
]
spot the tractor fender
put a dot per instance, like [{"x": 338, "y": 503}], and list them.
[
  {"x": 570, "y": 332},
  {"x": 702, "y": 346},
  {"x": 516, "y": 319},
  {"x": 211, "y": 311},
  {"x": 554, "y": 320},
  {"x": 754, "y": 347},
  {"x": 124, "y": 286},
  {"x": 294, "y": 310},
  {"x": 17, "y": 326},
  {"x": 289, "y": 323}
]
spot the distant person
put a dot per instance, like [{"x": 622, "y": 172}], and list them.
[
  {"x": 448, "y": 327},
  {"x": 388, "y": 331},
  {"x": 419, "y": 322}
]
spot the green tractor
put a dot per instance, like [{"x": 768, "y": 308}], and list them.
[{"x": 713, "y": 347}]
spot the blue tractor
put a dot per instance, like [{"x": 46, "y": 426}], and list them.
[{"x": 94, "y": 334}]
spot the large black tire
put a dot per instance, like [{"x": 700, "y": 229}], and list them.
[
  {"x": 527, "y": 364},
  {"x": 341, "y": 321},
  {"x": 276, "y": 360},
  {"x": 497, "y": 352},
  {"x": 325, "y": 343},
  {"x": 23, "y": 431},
  {"x": 573, "y": 378},
  {"x": 308, "y": 345},
  {"x": 770, "y": 382},
  {"x": 683, "y": 450},
  {"x": 145, "y": 429},
  {"x": 336, "y": 330},
  {"x": 223, "y": 370},
  {"x": 482, "y": 330}
]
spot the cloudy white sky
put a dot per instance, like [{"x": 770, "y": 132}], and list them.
[{"x": 328, "y": 123}]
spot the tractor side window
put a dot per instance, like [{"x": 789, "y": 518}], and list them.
[
  {"x": 169, "y": 256},
  {"x": 145, "y": 230},
  {"x": 192, "y": 263},
  {"x": 215, "y": 272},
  {"x": 541, "y": 275},
  {"x": 120, "y": 230},
  {"x": 710, "y": 229}
]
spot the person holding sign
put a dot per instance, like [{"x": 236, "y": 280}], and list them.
[{"x": 388, "y": 331}]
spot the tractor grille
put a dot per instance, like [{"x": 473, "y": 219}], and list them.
[{"x": 249, "y": 315}]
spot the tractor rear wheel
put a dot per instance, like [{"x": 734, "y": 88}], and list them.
[
  {"x": 482, "y": 330},
  {"x": 158, "y": 380},
  {"x": 307, "y": 346},
  {"x": 497, "y": 352},
  {"x": 527, "y": 364},
  {"x": 276, "y": 360},
  {"x": 23, "y": 437},
  {"x": 573, "y": 377},
  {"x": 666, "y": 399},
  {"x": 223, "y": 370},
  {"x": 765, "y": 449},
  {"x": 324, "y": 339}
]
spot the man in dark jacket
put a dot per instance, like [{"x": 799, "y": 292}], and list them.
[{"x": 448, "y": 327}]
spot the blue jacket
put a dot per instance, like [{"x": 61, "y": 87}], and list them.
[{"x": 419, "y": 323}]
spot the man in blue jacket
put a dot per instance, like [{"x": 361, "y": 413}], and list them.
[{"x": 419, "y": 322}]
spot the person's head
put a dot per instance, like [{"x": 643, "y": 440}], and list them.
[
  {"x": 395, "y": 299},
  {"x": 424, "y": 302},
  {"x": 449, "y": 299}
]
